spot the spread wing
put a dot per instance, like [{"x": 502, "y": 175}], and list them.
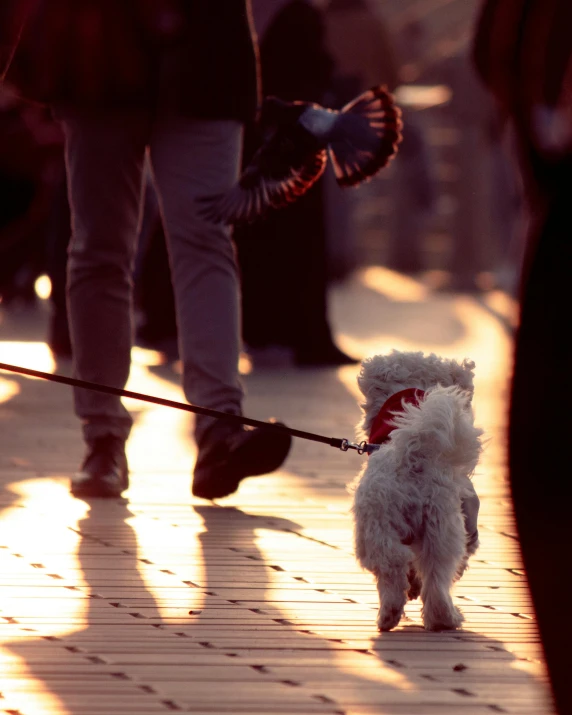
[
  {"x": 365, "y": 137},
  {"x": 286, "y": 165}
]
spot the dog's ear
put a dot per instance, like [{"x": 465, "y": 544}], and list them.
[
  {"x": 367, "y": 373},
  {"x": 372, "y": 388},
  {"x": 379, "y": 370},
  {"x": 463, "y": 374}
]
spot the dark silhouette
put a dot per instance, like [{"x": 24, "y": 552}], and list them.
[
  {"x": 414, "y": 185},
  {"x": 30, "y": 168},
  {"x": 283, "y": 257},
  {"x": 361, "y": 47},
  {"x": 363, "y": 51},
  {"x": 170, "y": 82},
  {"x": 57, "y": 243},
  {"x": 523, "y": 52},
  {"x": 156, "y": 326}
]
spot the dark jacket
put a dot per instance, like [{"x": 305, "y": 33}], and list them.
[{"x": 111, "y": 54}]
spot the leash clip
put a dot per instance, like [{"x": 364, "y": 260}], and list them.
[{"x": 360, "y": 447}]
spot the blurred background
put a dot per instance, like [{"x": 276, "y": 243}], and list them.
[
  {"x": 449, "y": 206},
  {"x": 425, "y": 256},
  {"x": 447, "y": 211}
]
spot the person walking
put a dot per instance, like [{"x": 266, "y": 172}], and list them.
[
  {"x": 174, "y": 80},
  {"x": 283, "y": 256},
  {"x": 363, "y": 51}
]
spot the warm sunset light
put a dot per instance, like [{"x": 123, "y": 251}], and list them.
[
  {"x": 40, "y": 507},
  {"x": 270, "y": 571},
  {"x": 34, "y": 355},
  {"x": 421, "y": 96},
  {"x": 327, "y": 236},
  {"x": 8, "y": 389},
  {"x": 43, "y": 287},
  {"x": 393, "y": 285}
]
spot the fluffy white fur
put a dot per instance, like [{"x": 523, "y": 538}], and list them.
[{"x": 410, "y": 529}]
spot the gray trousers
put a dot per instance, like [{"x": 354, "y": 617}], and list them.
[{"x": 105, "y": 158}]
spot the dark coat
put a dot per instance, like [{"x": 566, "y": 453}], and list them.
[
  {"x": 282, "y": 257},
  {"x": 110, "y": 54}
]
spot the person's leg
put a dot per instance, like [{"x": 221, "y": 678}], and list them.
[
  {"x": 57, "y": 242},
  {"x": 156, "y": 325},
  {"x": 104, "y": 159},
  {"x": 193, "y": 159},
  {"x": 304, "y": 257},
  {"x": 283, "y": 265}
]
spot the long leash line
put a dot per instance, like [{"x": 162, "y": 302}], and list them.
[{"x": 339, "y": 443}]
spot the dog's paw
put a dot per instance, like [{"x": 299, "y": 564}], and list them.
[
  {"x": 388, "y": 618},
  {"x": 444, "y": 621}
]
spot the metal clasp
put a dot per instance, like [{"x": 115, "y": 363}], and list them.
[{"x": 360, "y": 447}]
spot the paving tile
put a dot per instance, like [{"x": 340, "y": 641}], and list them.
[{"x": 256, "y": 605}]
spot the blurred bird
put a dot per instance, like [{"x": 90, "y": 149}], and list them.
[{"x": 297, "y": 138}]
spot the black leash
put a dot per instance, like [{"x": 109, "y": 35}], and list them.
[{"x": 339, "y": 443}]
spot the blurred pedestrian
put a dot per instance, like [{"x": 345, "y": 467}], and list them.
[
  {"x": 283, "y": 256},
  {"x": 20, "y": 249},
  {"x": 364, "y": 55},
  {"x": 156, "y": 315},
  {"x": 174, "y": 80},
  {"x": 57, "y": 238},
  {"x": 523, "y": 52},
  {"x": 506, "y": 204},
  {"x": 413, "y": 187},
  {"x": 31, "y": 165},
  {"x": 361, "y": 47},
  {"x": 470, "y": 113}
]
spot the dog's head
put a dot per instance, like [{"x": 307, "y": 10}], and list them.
[{"x": 383, "y": 375}]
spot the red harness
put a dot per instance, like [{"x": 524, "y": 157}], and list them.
[{"x": 382, "y": 426}]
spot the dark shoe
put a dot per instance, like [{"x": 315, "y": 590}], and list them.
[
  {"x": 229, "y": 453},
  {"x": 104, "y": 471},
  {"x": 327, "y": 356}
]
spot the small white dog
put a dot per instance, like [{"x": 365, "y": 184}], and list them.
[{"x": 415, "y": 507}]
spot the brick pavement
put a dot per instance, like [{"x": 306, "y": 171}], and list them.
[{"x": 255, "y": 605}]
